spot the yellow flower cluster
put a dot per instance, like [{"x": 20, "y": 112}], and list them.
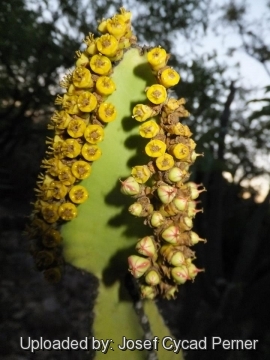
[
  {"x": 164, "y": 197},
  {"x": 161, "y": 188},
  {"x": 79, "y": 128}
]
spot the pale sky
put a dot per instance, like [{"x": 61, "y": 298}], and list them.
[{"x": 254, "y": 75}]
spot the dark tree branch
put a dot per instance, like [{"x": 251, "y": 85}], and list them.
[{"x": 224, "y": 122}]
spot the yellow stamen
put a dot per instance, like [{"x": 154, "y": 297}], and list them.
[
  {"x": 157, "y": 94},
  {"x": 155, "y": 148},
  {"x": 94, "y": 134},
  {"x": 78, "y": 194},
  {"x": 107, "y": 112},
  {"x": 81, "y": 169},
  {"x": 100, "y": 64}
]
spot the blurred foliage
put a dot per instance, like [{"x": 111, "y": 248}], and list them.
[
  {"x": 252, "y": 30},
  {"x": 40, "y": 37},
  {"x": 265, "y": 110},
  {"x": 31, "y": 53}
]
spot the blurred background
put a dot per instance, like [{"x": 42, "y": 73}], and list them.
[{"x": 222, "y": 51}]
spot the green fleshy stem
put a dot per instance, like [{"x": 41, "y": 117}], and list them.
[{"x": 103, "y": 235}]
